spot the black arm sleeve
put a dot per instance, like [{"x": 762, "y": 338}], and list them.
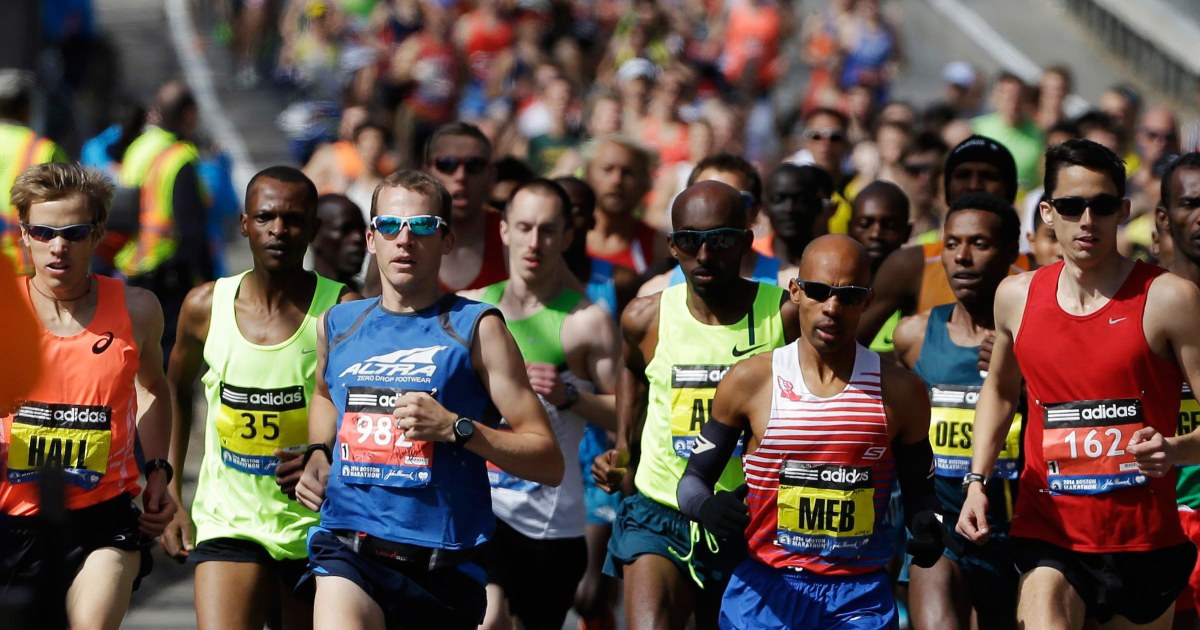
[
  {"x": 914, "y": 467},
  {"x": 713, "y": 449},
  {"x": 190, "y": 218}
]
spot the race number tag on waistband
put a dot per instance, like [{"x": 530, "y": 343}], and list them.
[
  {"x": 76, "y": 438},
  {"x": 1084, "y": 445},
  {"x": 825, "y": 510},
  {"x": 952, "y": 434},
  {"x": 252, "y": 423},
  {"x": 372, "y": 450},
  {"x": 692, "y": 391}
]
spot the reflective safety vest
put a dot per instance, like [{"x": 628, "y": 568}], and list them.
[
  {"x": 151, "y": 163},
  {"x": 20, "y": 148}
]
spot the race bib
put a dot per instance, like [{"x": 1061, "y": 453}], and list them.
[
  {"x": 252, "y": 423},
  {"x": 1084, "y": 445},
  {"x": 952, "y": 434},
  {"x": 825, "y": 510},
  {"x": 1189, "y": 412},
  {"x": 372, "y": 450},
  {"x": 692, "y": 391},
  {"x": 76, "y": 438}
]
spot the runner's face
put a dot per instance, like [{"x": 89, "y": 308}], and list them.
[
  {"x": 341, "y": 237},
  {"x": 1183, "y": 213},
  {"x": 617, "y": 178},
  {"x": 1087, "y": 239},
  {"x": 829, "y": 326},
  {"x": 974, "y": 259},
  {"x": 407, "y": 261},
  {"x": 277, "y": 224},
  {"x": 880, "y": 226},
  {"x": 468, "y": 191},
  {"x": 796, "y": 215},
  {"x": 975, "y": 177},
  {"x": 710, "y": 269},
  {"x": 1044, "y": 246},
  {"x": 59, "y": 263},
  {"x": 536, "y": 234}
]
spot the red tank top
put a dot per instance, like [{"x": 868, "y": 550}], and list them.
[
  {"x": 822, "y": 474},
  {"x": 494, "y": 267},
  {"x": 640, "y": 253},
  {"x": 1092, "y": 381},
  {"x": 484, "y": 42},
  {"x": 82, "y": 413}
]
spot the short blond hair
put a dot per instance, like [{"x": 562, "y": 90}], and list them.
[{"x": 55, "y": 181}]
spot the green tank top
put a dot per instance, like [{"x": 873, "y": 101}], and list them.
[
  {"x": 539, "y": 336},
  {"x": 257, "y": 402},
  {"x": 689, "y": 361}
]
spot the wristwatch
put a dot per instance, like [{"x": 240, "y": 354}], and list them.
[
  {"x": 464, "y": 429},
  {"x": 160, "y": 464},
  {"x": 572, "y": 396},
  {"x": 971, "y": 478},
  {"x": 313, "y": 448}
]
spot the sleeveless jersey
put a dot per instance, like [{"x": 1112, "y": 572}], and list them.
[
  {"x": 81, "y": 415},
  {"x": 952, "y": 375},
  {"x": 533, "y": 509},
  {"x": 258, "y": 399},
  {"x": 822, "y": 475},
  {"x": 690, "y": 360},
  {"x": 638, "y": 255},
  {"x": 1188, "y": 485},
  {"x": 1085, "y": 401},
  {"x": 935, "y": 284},
  {"x": 494, "y": 267},
  {"x": 421, "y": 493},
  {"x": 766, "y": 271}
]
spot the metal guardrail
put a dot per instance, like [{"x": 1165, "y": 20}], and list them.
[{"x": 1158, "y": 41}]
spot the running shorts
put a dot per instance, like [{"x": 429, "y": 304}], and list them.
[
  {"x": 538, "y": 576},
  {"x": 760, "y": 596}
]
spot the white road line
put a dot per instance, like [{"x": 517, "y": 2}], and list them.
[
  {"x": 199, "y": 77},
  {"x": 992, "y": 42}
]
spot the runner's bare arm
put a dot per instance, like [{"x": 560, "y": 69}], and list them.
[
  {"x": 896, "y": 286},
  {"x": 593, "y": 326},
  {"x": 154, "y": 407},
  {"x": 655, "y": 284},
  {"x": 187, "y": 358},
  {"x": 322, "y": 429},
  {"x": 909, "y": 338},
  {"x": 639, "y": 329}
]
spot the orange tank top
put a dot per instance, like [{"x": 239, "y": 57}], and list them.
[
  {"x": 81, "y": 415},
  {"x": 935, "y": 285}
]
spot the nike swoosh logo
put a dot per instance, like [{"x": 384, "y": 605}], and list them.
[
  {"x": 702, "y": 445},
  {"x": 309, "y": 351},
  {"x": 738, "y": 352},
  {"x": 1112, "y": 321}
]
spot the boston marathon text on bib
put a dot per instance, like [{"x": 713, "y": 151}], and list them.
[
  {"x": 826, "y": 510},
  {"x": 76, "y": 438},
  {"x": 1084, "y": 445},
  {"x": 952, "y": 433},
  {"x": 252, "y": 423}
]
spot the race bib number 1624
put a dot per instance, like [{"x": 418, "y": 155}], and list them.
[{"x": 1084, "y": 443}]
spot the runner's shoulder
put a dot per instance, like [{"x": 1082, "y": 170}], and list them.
[
  {"x": 1169, "y": 292},
  {"x": 143, "y": 306},
  {"x": 640, "y": 316},
  {"x": 910, "y": 330}
]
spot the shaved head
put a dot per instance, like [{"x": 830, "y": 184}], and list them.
[
  {"x": 836, "y": 259},
  {"x": 710, "y": 204}
]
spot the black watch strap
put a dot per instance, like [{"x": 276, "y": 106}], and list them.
[
  {"x": 313, "y": 448},
  {"x": 160, "y": 464}
]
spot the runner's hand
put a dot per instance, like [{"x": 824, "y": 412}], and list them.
[
  {"x": 288, "y": 472},
  {"x": 985, "y": 351},
  {"x": 928, "y": 539},
  {"x": 178, "y": 540},
  {"x": 310, "y": 490},
  {"x": 725, "y": 513},
  {"x": 1153, "y": 452},
  {"x": 972, "y": 520},
  {"x": 609, "y": 468},
  {"x": 157, "y": 504},
  {"x": 544, "y": 379},
  {"x": 421, "y": 417}
]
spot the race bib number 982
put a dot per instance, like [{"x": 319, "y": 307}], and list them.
[
  {"x": 252, "y": 423},
  {"x": 372, "y": 450},
  {"x": 76, "y": 438},
  {"x": 1084, "y": 445}
]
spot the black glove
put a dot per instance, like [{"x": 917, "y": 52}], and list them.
[
  {"x": 725, "y": 513},
  {"x": 928, "y": 539}
]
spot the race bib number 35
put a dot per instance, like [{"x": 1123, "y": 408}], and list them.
[
  {"x": 252, "y": 423},
  {"x": 1084, "y": 445},
  {"x": 692, "y": 391},
  {"x": 76, "y": 438},
  {"x": 372, "y": 450},
  {"x": 952, "y": 434},
  {"x": 825, "y": 510}
]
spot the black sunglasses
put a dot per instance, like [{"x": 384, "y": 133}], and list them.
[
  {"x": 1101, "y": 205},
  {"x": 449, "y": 165},
  {"x": 848, "y": 295},
  {"x": 47, "y": 233},
  {"x": 833, "y": 135},
  {"x": 690, "y": 241}
]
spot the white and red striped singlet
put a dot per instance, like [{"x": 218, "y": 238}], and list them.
[{"x": 822, "y": 474}]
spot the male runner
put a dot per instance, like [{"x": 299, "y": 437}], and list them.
[
  {"x": 1043, "y": 247},
  {"x": 879, "y": 221},
  {"x": 105, "y": 394},
  {"x": 618, "y": 170},
  {"x": 256, "y": 332},
  {"x": 982, "y": 238},
  {"x": 339, "y": 246},
  {"x": 538, "y": 554},
  {"x": 1095, "y": 530},
  {"x": 410, "y": 388},
  {"x": 798, "y": 204},
  {"x": 831, "y": 428},
  {"x": 678, "y": 345}
]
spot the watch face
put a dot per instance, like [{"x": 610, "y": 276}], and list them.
[{"x": 463, "y": 427}]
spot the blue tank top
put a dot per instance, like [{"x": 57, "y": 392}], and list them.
[
  {"x": 601, "y": 288},
  {"x": 421, "y": 493},
  {"x": 951, "y": 372},
  {"x": 766, "y": 271}
]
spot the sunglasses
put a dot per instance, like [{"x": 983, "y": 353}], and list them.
[
  {"x": 1101, "y": 205},
  {"x": 449, "y": 165},
  {"x": 833, "y": 135},
  {"x": 719, "y": 239},
  {"x": 847, "y": 295},
  {"x": 919, "y": 169},
  {"x": 1158, "y": 136},
  {"x": 420, "y": 225},
  {"x": 47, "y": 233}
]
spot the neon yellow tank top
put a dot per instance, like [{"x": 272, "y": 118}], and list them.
[
  {"x": 257, "y": 402},
  {"x": 691, "y": 358}
]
